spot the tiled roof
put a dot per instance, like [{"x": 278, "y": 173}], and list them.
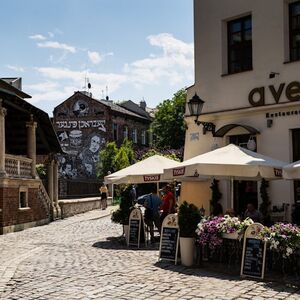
[{"x": 130, "y": 105}]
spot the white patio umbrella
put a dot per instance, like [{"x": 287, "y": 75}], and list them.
[
  {"x": 229, "y": 162},
  {"x": 292, "y": 171},
  {"x": 145, "y": 171}
]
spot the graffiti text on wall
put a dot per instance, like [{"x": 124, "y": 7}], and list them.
[{"x": 100, "y": 124}]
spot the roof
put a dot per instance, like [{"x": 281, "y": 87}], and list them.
[
  {"x": 130, "y": 105},
  {"x": 47, "y": 141},
  {"x": 113, "y": 106},
  {"x": 6, "y": 84}
]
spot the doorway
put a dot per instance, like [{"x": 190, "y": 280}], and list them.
[
  {"x": 243, "y": 191},
  {"x": 296, "y": 156}
]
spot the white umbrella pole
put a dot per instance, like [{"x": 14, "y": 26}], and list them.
[{"x": 157, "y": 187}]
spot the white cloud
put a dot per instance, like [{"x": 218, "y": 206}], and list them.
[
  {"x": 76, "y": 79},
  {"x": 15, "y": 68},
  {"x": 40, "y": 87},
  {"x": 171, "y": 65},
  {"x": 95, "y": 57},
  {"x": 174, "y": 65},
  {"x": 57, "y": 45},
  {"x": 38, "y": 37}
]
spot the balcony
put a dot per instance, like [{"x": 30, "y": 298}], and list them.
[{"x": 18, "y": 166}]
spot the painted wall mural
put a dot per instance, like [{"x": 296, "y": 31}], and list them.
[{"x": 81, "y": 138}]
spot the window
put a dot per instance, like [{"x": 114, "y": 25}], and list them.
[
  {"x": 23, "y": 199},
  {"x": 239, "y": 45},
  {"x": 134, "y": 135},
  {"x": 125, "y": 132},
  {"x": 143, "y": 137},
  {"x": 294, "y": 29},
  {"x": 115, "y": 131}
]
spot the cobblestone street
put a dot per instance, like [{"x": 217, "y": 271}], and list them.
[{"x": 81, "y": 258}]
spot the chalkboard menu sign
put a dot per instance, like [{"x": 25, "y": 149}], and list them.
[
  {"x": 168, "y": 248},
  {"x": 254, "y": 251},
  {"x": 136, "y": 228}
]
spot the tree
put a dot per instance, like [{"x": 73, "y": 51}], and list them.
[
  {"x": 153, "y": 151},
  {"x": 112, "y": 159},
  {"x": 107, "y": 158},
  {"x": 168, "y": 127}
]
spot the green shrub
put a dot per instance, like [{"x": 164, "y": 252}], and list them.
[{"x": 188, "y": 219}]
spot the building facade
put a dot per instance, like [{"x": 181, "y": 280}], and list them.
[
  {"x": 26, "y": 134},
  {"x": 84, "y": 125},
  {"x": 247, "y": 63}
]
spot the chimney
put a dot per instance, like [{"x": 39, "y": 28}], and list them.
[{"x": 143, "y": 105}]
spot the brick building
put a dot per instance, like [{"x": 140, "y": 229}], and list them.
[
  {"x": 26, "y": 133},
  {"x": 84, "y": 125}
]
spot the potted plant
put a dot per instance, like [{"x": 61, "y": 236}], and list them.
[
  {"x": 188, "y": 219},
  {"x": 121, "y": 215}
]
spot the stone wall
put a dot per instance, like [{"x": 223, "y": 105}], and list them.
[{"x": 78, "y": 206}]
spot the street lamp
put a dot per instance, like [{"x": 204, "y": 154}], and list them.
[{"x": 195, "y": 106}]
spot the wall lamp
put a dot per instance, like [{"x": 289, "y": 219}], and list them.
[
  {"x": 273, "y": 74},
  {"x": 195, "y": 106}
]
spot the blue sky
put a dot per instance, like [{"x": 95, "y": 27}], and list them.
[{"x": 137, "y": 48}]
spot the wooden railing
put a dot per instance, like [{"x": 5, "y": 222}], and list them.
[{"x": 18, "y": 166}]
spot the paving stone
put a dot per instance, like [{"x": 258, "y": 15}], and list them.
[{"x": 83, "y": 257}]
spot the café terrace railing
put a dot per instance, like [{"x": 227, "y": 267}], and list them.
[{"x": 18, "y": 166}]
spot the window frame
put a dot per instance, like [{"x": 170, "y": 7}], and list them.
[
  {"x": 115, "y": 131},
  {"x": 144, "y": 137},
  {"x": 240, "y": 48},
  {"x": 134, "y": 135},
  {"x": 125, "y": 132},
  {"x": 293, "y": 32},
  {"x": 23, "y": 190}
]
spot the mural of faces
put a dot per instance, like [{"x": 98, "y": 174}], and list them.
[
  {"x": 80, "y": 108},
  {"x": 95, "y": 143}
]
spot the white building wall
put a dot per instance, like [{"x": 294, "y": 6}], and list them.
[{"x": 226, "y": 96}]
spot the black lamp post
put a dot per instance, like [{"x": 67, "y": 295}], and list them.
[{"x": 195, "y": 106}]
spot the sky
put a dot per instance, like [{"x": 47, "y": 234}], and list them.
[{"x": 126, "y": 49}]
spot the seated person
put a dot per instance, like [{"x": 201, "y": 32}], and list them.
[{"x": 252, "y": 213}]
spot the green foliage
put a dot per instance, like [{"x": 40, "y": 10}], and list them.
[
  {"x": 128, "y": 148},
  {"x": 216, "y": 195},
  {"x": 121, "y": 216},
  {"x": 112, "y": 159},
  {"x": 121, "y": 159},
  {"x": 188, "y": 219},
  {"x": 168, "y": 127},
  {"x": 264, "y": 208},
  {"x": 41, "y": 170},
  {"x": 106, "y": 162},
  {"x": 153, "y": 151}
]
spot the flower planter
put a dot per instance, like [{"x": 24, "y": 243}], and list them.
[
  {"x": 187, "y": 246},
  {"x": 231, "y": 236}
]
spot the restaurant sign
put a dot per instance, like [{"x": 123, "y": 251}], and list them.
[
  {"x": 278, "y": 172},
  {"x": 151, "y": 178},
  {"x": 257, "y": 96},
  {"x": 179, "y": 171}
]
